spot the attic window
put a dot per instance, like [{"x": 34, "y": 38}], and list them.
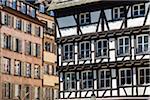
[{"x": 84, "y": 18}]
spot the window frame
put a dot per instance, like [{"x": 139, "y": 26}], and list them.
[
  {"x": 137, "y": 44},
  {"x": 125, "y": 76},
  {"x": 87, "y": 80},
  {"x": 68, "y": 83},
  {"x": 17, "y": 68},
  {"x": 104, "y": 79},
  {"x": 85, "y": 18},
  {"x": 102, "y": 49},
  {"x": 123, "y": 46},
  {"x": 118, "y": 13},
  {"x": 69, "y": 52},
  {"x": 139, "y": 9},
  {"x": 84, "y": 57},
  {"x": 145, "y": 75}
]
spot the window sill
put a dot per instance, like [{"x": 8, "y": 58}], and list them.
[
  {"x": 82, "y": 59},
  {"x": 101, "y": 57},
  {"x": 142, "y": 53},
  {"x": 68, "y": 60},
  {"x": 123, "y": 55}
]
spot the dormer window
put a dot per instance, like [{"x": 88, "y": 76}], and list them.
[
  {"x": 23, "y": 8},
  {"x": 42, "y": 9},
  {"x": 139, "y": 10},
  {"x": 118, "y": 13},
  {"x": 84, "y": 18}
]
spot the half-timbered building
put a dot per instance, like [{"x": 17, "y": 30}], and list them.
[{"x": 103, "y": 48}]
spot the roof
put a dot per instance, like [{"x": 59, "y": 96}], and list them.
[{"x": 58, "y": 4}]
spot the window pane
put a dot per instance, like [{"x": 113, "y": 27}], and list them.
[
  {"x": 87, "y": 46},
  {"x": 126, "y": 41},
  {"x": 147, "y": 72},
  {"x": 121, "y": 50},
  {"x": 127, "y": 49},
  {"x": 82, "y": 46},
  {"x": 135, "y": 7},
  {"x": 102, "y": 74},
  {"x": 108, "y": 83},
  {"x": 84, "y": 76},
  {"x": 122, "y": 73},
  {"x": 135, "y": 13},
  {"x": 120, "y": 41},
  {"x": 99, "y": 44},
  {"x": 66, "y": 48},
  {"x": 139, "y": 48},
  {"x": 122, "y": 81},
  {"x": 104, "y": 43},
  {"x": 145, "y": 39},
  {"x": 146, "y": 47},
  {"x": 104, "y": 52},
  {"x": 107, "y": 74},
  {"x": 102, "y": 83},
  {"x": 142, "y": 72},
  {"x": 148, "y": 79},
  {"x": 89, "y": 83},
  {"x": 128, "y": 72},
  {"x": 139, "y": 39},
  {"x": 90, "y": 76},
  {"x": 141, "y": 80}
]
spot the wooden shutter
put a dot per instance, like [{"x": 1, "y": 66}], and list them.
[
  {"x": 2, "y": 40},
  {"x": 20, "y": 45}
]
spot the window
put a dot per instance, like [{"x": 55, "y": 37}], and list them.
[
  {"x": 28, "y": 27},
  {"x": 142, "y": 43},
  {"x": 7, "y": 90},
  {"x": 14, "y": 4},
  {"x": 87, "y": 79},
  {"x": 144, "y": 75},
  {"x": 6, "y": 65},
  {"x": 17, "y": 91},
  {"x": 7, "y": 42},
  {"x": 33, "y": 12},
  {"x": 27, "y": 92},
  {"x": 68, "y": 51},
  {"x": 123, "y": 45},
  {"x": 125, "y": 76},
  {"x": 102, "y": 48},
  {"x": 18, "y": 24},
  {"x": 37, "y": 31},
  {"x": 38, "y": 50},
  {"x": 28, "y": 47},
  {"x": 84, "y": 18},
  {"x": 8, "y": 20},
  {"x": 37, "y": 72},
  {"x": 48, "y": 93},
  {"x": 17, "y": 45},
  {"x": 105, "y": 78},
  {"x": 23, "y": 8},
  {"x": 118, "y": 13},
  {"x": 48, "y": 46},
  {"x": 41, "y": 8},
  {"x": 139, "y": 10},
  {"x": 28, "y": 70},
  {"x": 84, "y": 50},
  {"x": 70, "y": 81},
  {"x": 37, "y": 93},
  {"x": 17, "y": 68},
  {"x": 46, "y": 69}
]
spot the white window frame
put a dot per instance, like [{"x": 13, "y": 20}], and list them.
[
  {"x": 137, "y": 44},
  {"x": 139, "y": 9},
  {"x": 37, "y": 71},
  {"x": 17, "y": 90},
  {"x": 101, "y": 49},
  {"x": 85, "y": 50},
  {"x": 104, "y": 79},
  {"x": 6, "y": 68},
  {"x": 118, "y": 12},
  {"x": 124, "y": 45},
  {"x": 144, "y": 68},
  {"x": 87, "y": 80},
  {"x": 69, "y": 52},
  {"x": 18, "y": 68},
  {"x": 125, "y": 76},
  {"x": 85, "y": 18},
  {"x": 68, "y": 82},
  {"x": 28, "y": 71}
]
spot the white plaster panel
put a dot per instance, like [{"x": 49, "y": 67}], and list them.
[
  {"x": 127, "y": 58},
  {"x": 100, "y": 26},
  {"x": 111, "y": 43},
  {"x": 139, "y": 56},
  {"x": 83, "y": 93},
  {"x": 72, "y": 95},
  {"x": 87, "y": 62},
  {"x": 59, "y": 60},
  {"x": 122, "y": 93},
  {"x": 88, "y": 28},
  {"x": 113, "y": 71},
  {"x": 115, "y": 25},
  {"x": 105, "y": 60},
  {"x": 65, "y": 63},
  {"x": 78, "y": 85},
  {"x": 78, "y": 94},
  {"x": 147, "y": 92},
  {"x": 112, "y": 55},
  {"x": 58, "y": 36},
  {"x": 114, "y": 93},
  {"x": 61, "y": 86},
  {"x": 59, "y": 50},
  {"x": 135, "y": 22},
  {"x": 100, "y": 93},
  {"x": 66, "y": 21},
  {"x": 68, "y": 31},
  {"x": 128, "y": 91},
  {"x": 140, "y": 90},
  {"x": 81, "y": 62},
  {"x": 129, "y": 12},
  {"x": 66, "y": 94},
  {"x": 134, "y": 76},
  {"x": 148, "y": 20},
  {"x": 108, "y": 14},
  {"x": 107, "y": 93},
  {"x": 61, "y": 76},
  {"x": 114, "y": 83},
  {"x": 95, "y": 16},
  {"x": 92, "y": 49},
  {"x": 134, "y": 91},
  {"x": 89, "y": 94},
  {"x": 61, "y": 95},
  {"x": 146, "y": 57}
]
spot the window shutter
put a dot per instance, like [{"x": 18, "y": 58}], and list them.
[
  {"x": 22, "y": 25},
  {"x": 20, "y": 46},
  {"x": 25, "y": 26},
  {"x": 11, "y": 90},
  {"x": 3, "y": 90},
  {"x": 2, "y": 40},
  {"x": 3, "y": 18},
  {"x": 14, "y": 23},
  {"x": 41, "y": 32}
]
